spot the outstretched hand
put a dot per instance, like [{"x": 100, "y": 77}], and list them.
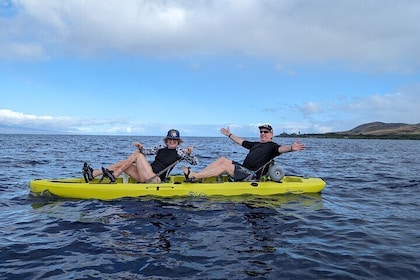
[
  {"x": 225, "y": 131},
  {"x": 297, "y": 146},
  {"x": 189, "y": 150},
  {"x": 138, "y": 145}
]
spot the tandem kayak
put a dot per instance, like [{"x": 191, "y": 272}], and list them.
[{"x": 175, "y": 187}]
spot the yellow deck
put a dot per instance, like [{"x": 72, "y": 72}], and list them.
[{"x": 77, "y": 188}]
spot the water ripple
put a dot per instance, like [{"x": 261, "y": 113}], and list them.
[{"x": 365, "y": 224}]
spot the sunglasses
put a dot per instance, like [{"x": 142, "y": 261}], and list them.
[{"x": 264, "y": 131}]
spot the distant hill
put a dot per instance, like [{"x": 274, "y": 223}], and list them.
[
  {"x": 373, "y": 130},
  {"x": 384, "y": 129}
]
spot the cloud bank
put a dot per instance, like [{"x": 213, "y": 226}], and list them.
[
  {"x": 317, "y": 117},
  {"x": 382, "y": 33}
]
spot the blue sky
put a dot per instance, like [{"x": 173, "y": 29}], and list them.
[{"x": 143, "y": 67}]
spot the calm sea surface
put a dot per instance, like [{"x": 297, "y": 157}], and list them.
[{"x": 364, "y": 225}]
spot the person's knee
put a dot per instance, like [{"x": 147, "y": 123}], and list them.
[
  {"x": 139, "y": 156},
  {"x": 226, "y": 164},
  {"x": 224, "y": 160}
]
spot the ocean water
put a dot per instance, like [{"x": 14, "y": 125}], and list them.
[{"x": 364, "y": 225}]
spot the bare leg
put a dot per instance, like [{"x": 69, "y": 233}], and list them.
[
  {"x": 123, "y": 165},
  {"x": 136, "y": 166},
  {"x": 118, "y": 167},
  {"x": 133, "y": 172},
  {"x": 144, "y": 170},
  {"x": 97, "y": 172},
  {"x": 216, "y": 168}
]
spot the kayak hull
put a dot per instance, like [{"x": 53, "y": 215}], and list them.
[{"x": 176, "y": 187}]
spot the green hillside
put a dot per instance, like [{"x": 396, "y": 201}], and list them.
[{"x": 374, "y": 130}]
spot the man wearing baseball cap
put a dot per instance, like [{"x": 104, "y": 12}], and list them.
[{"x": 260, "y": 153}]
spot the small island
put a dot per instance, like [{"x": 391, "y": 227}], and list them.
[{"x": 373, "y": 130}]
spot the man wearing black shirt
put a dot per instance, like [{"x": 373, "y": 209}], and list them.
[{"x": 260, "y": 153}]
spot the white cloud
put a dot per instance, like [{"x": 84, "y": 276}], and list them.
[
  {"x": 392, "y": 107},
  {"x": 384, "y": 33},
  {"x": 311, "y": 108},
  {"x": 320, "y": 128},
  {"x": 11, "y": 117},
  {"x": 56, "y": 123},
  {"x": 345, "y": 113},
  {"x": 18, "y": 50}
]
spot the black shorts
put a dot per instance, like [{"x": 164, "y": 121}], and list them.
[{"x": 242, "y": 174}]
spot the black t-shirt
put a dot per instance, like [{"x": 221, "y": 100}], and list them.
[
  {"x": 259, "y": 154},
  {"x": 164, "y": 158}
]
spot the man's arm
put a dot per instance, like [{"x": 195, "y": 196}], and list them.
[
  {"x": 236, "y": 139},
  {"x": 297, "y": 146}
]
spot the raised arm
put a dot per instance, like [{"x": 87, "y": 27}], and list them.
[
  {"x": 297, "y": 146},
  {"x": 147, "y": 151},
  {"x": 187, "y": 155},
  {"x": 236, "y": 139}
]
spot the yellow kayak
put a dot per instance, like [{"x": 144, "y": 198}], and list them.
[{"x": 176, "y": 187}]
